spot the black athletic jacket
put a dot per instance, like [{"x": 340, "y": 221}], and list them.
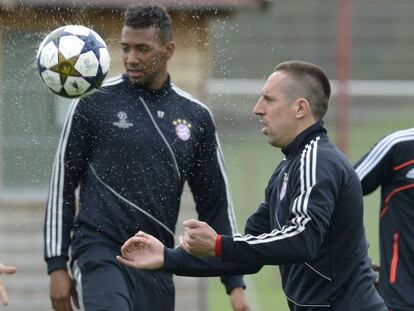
[
  {"x": 311, "y": 225},
  {"x": 390, "y": 165},
  {"x": 130, "y": 150}
]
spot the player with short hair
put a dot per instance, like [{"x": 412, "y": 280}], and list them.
[
  {"x": 390, "y": 165},
  {"x": 311, "y": 221},
  {"x": 130, "y": 147}
]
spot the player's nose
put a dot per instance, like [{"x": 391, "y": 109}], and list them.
[
  {"x": 258, "y": 108},
  {"x": 133, "y": 57}
]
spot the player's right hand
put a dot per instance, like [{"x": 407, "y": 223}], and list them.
[
  {"x": 142, "y": 251},
  {"x": 61, "y": 290}
]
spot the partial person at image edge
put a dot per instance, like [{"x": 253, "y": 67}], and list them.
[
  {"x": 4, "y": 297},
  {"x": 389, "y": 165}
]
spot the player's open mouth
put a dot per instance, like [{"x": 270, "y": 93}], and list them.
[{"x": 263, "y": 123}]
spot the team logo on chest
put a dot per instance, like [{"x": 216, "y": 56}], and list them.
[
  {"x": 284, "y": 187},
  {"x": 122, "y": 122},
  {"x": 182, "y": 129},
  {"x": 410, "y": 174}
]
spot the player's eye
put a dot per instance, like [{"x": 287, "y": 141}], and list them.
[{"x": 144, "y": 49}]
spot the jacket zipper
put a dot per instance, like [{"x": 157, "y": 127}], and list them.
[
  {"x": 394, "y": 261},
  {"x": 177, "y": 169}
]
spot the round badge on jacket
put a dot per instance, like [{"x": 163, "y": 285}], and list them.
[{"x": 182, "y": 129}]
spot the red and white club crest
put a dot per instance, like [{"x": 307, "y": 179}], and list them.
[{"x": 182, "y": 129}]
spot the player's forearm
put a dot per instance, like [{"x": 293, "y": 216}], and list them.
[
  {"x": 56, "y": 263},
  {"x": 231, "y": 282},
  {"x": 262, "y": 251},
  {"x": 179, "y": 262},
  {"x": 57, "y": 235}
]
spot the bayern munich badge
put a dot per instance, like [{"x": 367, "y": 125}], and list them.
[{"x": 182, "y": 129}]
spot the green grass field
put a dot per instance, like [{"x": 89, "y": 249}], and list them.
[{"x": 250, "y": 161}]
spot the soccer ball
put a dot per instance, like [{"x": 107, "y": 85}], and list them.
[{"x": 73, "y": 60}]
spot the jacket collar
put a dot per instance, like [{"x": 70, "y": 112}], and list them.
[
  {"x": 303, "y": 138},
  {"x": 164, "y": 90}
]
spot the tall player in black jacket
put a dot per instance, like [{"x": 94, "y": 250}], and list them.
[
  {"x": 310, "y": 223},
  {"x": 130, "y": 147},
  {"x": 390, "y": 165}
]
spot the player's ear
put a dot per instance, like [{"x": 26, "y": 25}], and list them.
[
  {"x": 170, "y": 48},
  {"x": 302, "y": 108}
]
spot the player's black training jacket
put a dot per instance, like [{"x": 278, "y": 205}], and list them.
[
  {"x": 390, "y": 165},
  {"x": 311, "y": 225},
  {"x": 130, "y": 150}
]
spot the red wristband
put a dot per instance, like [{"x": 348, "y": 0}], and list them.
[{"x": 218, "y": 249}]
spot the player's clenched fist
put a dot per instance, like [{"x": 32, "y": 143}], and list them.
[{"x": 199, "y": 238}]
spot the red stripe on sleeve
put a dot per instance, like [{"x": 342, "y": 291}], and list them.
[{"x": 218, "y": 250}]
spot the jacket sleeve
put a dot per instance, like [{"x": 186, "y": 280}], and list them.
[
  {"x": 179, "y": 262},
  {"x": 314, "y": 186},
  {"x": 375, "y": 167},
  {"x": 68, "y": 166},
  {"x": 210, "y": 188}
]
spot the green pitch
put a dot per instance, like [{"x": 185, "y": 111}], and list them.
[{"x": 250, "y": 161}]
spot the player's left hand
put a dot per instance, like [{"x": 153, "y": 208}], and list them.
[
  {"x": 199, "y": 238},
  {"x": 142, "y": 251},
  {"x": 238, "y": 300},
  {"x": 4, "y": 298}
]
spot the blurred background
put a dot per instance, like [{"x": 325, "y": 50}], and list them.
[{"x": 225, "y": 51}]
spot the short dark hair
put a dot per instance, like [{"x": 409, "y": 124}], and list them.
[
  {"x": 149, "y": 15},
  {"x": 316, "y": 88}
]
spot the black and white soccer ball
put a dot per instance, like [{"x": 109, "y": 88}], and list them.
[{"x": 73, "y": 60}]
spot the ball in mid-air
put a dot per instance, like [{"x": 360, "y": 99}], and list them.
[{"x": 73, "y": 60}]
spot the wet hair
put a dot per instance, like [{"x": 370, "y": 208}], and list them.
[
  {"x": 150, "y": 15},
  {"x": 313, "y": 85}
]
